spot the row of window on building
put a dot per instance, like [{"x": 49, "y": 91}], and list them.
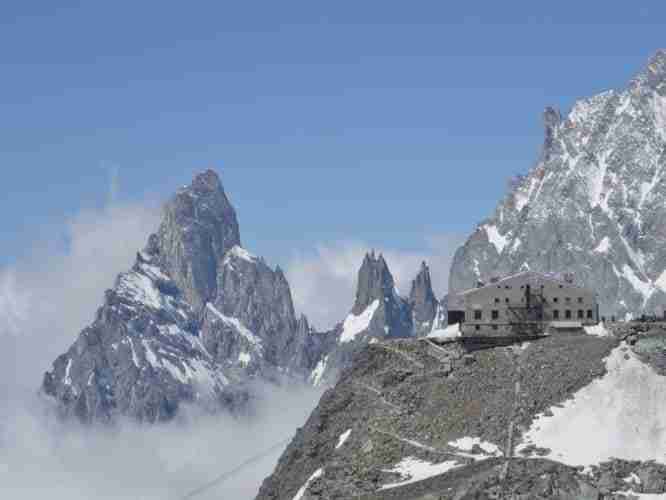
[
  {"x": 568, "y": 314},
  {"x": 555, "y": 300}
]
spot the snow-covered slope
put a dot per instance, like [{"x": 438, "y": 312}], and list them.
[
  {"x": 621, "y": 415},
  {"x": 593, "y": 204}
]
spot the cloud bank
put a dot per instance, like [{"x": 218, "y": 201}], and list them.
[
  {"x": 323, "y": 281},
  {"x": 45, "y": 301}
]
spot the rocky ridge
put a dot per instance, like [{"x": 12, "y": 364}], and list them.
[
  {"x": 592, "y": 204},
  {"x": 417, "y": 419}
]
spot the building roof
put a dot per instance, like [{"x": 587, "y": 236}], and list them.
[{"x": 528, "y": 275}]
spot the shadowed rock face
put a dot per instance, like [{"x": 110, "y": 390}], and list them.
[
  {"x": 592, "y": 204},
  {"x": 193, "y": 321},
  {"x": 423, "y": 302},
  {"x": 198, "y": 228}
]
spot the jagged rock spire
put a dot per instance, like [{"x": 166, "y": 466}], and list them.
[
  {"x": 375, "y": 282},
  {"x": 195, "y": 318},
  {"x": 422, "y": 301},
  {"x": 198, "y": 227}
]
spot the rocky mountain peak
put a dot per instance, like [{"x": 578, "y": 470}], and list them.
[
  {"x": 198, "y": 227},
  {"x": 375, "y": 282},
  {"x": 654, "y": 72},
  {"x": 195, "y": 318},
  {"x": 422, "y": 301},
  {"x": 207, "y": 181},
  {"x": 591, "y": 204}
]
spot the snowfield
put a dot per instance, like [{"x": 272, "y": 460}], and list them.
[
  {"x": 354, "y": 325},
  {"x": 598, "y": 330},
  {"x": 621, "y": 415},
  {"x": 415, "y": 470},
  {"x": 450, "y": 332}
]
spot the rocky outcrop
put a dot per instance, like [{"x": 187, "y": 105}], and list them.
[
  {"x": 412, "y": 419},
  {"x": 592, "y": 204},
  {"x": 192, "y": 322}
]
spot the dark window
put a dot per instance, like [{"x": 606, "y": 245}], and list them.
[
  {"x": 589, "y": 314},
  {"x": 495, "y": 314},
  {"x": 496, "y": 300},
  {"x": 556, "y": 314},
  {"x": 540, "y": 315},
  {"x": 555, "y": 299},
  {"x": 494, "y": 327},
  {"x": 507, "y": 287},
  {"x": 568, "y": 299},
  {"x": 567, "y": 314},
  {"x": 477, "y": 327},
  {"x": 561, "y": 286},
  {"x": 581, "y": 313},
  {"x": 580, "y": 300},
  {"x": 506, "y": 300},
  {"x": 478, "y": 314}
]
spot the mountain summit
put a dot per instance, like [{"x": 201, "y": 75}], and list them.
[{"x": 593, "y": 204}]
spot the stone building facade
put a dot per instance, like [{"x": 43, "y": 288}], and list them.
[{"x": 524, "y": 303}]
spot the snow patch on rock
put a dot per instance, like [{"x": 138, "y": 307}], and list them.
[
  {"x": 236, "y": 324},
  {"x": 621, "y": 415},
  {"x": 343, "y": 437},
  {"x": 301, "y": 493},
  {"x": 598, "y": 330},
  {"x": 414, "y": 470},
  {"x": 354, "y": 325},
  {"x": 318, "y": 372},
  {"x": 450, "y": 332},
  {"x": 496, "y": 238}
]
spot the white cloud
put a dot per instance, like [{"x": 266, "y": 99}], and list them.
[
  {"x": 323, "y": 281},
  {"x": 45, "y": 301},
  {"x": 40, "y": 457}
]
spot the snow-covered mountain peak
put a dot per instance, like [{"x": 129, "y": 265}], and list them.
[{"x": 599, "y": 183}]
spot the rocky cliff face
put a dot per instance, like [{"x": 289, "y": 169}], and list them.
[
  {"x": 192, "y": 322},
  {"x": 414, "y": 419},
  {"x": 593, "y": 203},
  {"x": 423, "y": 303}
]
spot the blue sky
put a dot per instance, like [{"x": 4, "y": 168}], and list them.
[{"x": 385, "y": 122}]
